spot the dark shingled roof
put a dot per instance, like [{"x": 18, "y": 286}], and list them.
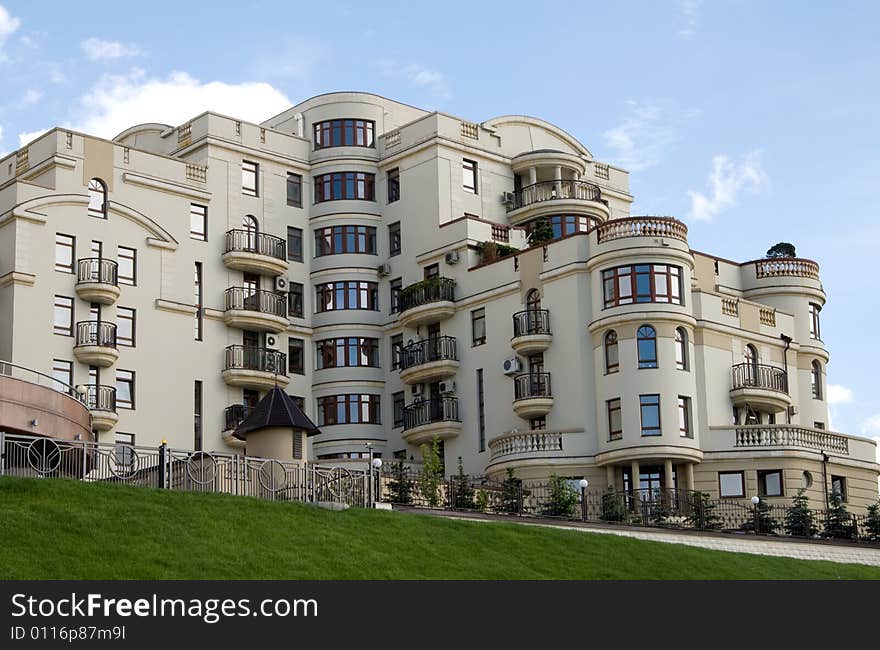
[{"x": 276, "y": 409}]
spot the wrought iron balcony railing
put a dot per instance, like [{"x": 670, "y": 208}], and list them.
[
  {"x": 755, "y": 375},
  {"x": 438, "y": 409},
  {"x": 93, "y": 332},
  {"x": 554, "y": 190},
  {"x": 242, "y": 357},
  {"x": 427, "y": 291},
  {"x": 97, "y": 269},
  {"x": 438, "y": 348},
  {"x": 531, "y": 321},
  {"x": 532, "y": 384},
  {"x": 247, "y": 241},
  {"x": 100, "y": 398},
  {"x": 264, "y": 302}
]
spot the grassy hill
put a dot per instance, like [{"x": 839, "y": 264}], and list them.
[{"x": 88, "y": 531}]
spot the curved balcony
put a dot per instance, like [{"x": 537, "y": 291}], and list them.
[
  {"x": 433, "y": 418},
  {"x": 255, "y": 368},
  {"x": 531, "y": 331},
  {"x": 760, "y": 386},
  {"x": 426, "y": 302},
  {"x": 97, "y": 280},
  {"x": 533, "y": 396},
  {"x": 790, "y": 437},
  {"x": 255, "y": 252},
  {"x": 96, "y": 343},
  {"x": 565, "y": 196},
  {"x": 250, "y": 309},
  {"x": 521, "y": 445},
  {"x": 641, "y": 227},
  {"x": 428, "y": 360},
  {"x": 101, "y": 401},
  {"x": 786, "y": 267}
]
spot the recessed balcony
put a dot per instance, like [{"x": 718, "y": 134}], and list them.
[
  {"x": 255, "y": 368},
  {"x": 101, "y": 401},
  {"x": 255, "y": 310},
  {"x": 254, "y": 252},
  {"x": 429, "y": 419},
  {"x": 533, "y": 397},
  {"x": 531, "y": 332},
  {"x": 760, "y": 386},
  {"x": 564, "y": 196},
  {"x": 427, "y": 302},
  {"x": 97, "y": 280},
  {"x": 96, "y": 343},
  {"x": 232, "y": 417},
  {"x": 428, "y": 360}
]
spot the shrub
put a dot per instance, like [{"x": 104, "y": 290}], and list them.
[
  {"x": 431, "y": 476},
  {"x": 799, "y": 517},
  {"x": 563, "y": 498},
  {"x": 872, "y": 523},
  {"x": 702, "y": 513},
  {"x": 462, "y": 490},
  {"x": 400, "y": 486}
]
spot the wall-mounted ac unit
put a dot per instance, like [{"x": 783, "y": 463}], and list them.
[
  {"x": 447, "y": 387},
  {"x": 507, "y": 198},
  {"x": 270, "y": 341},
  {"x": 511, "y": 366},
  {"x": 452, "y": 257},
  {"x": 383, "y": 270},
  {"x": 417, "y": 392},
  {"x": 792, "y": 410},
  {"x": 281, "y": 283}
]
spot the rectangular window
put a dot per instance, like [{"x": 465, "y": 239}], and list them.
[
  {"x": 684, "y": 417},
  {"x": 345, "y": 239},
  {"x": 770, "y": 483},
  {"x": 348, "y": 352},
  {"x": 198, "y": 222},
  {"x": 62, "y": 371},
  {"x": 348, "y": 409},
  {"x": 538, "y": 424},
  {"x": 65, "y": 251},
  {"x": 97, "y": 249},
  {"x": 625, "y": 285},
  {"x": 125, "y": 389},
  {"x": 432, "y": 271},
  {"x": 294, "y": 244},
  {"x": 124, "y": 452},
  {"x": 469, "y": 175},
  {"x": 295, "y": 300},
  {"x": 333, "y": 296},
  {"x": 296, "y": 357},
  {"x": 396, "y": 350},
  {"x": 197, "y": 415},
  {"x": 394, "y": 242},
  {"x": 478, "y": 326},
  {"x": 396, "y": 286},
  {"x": 399, "y": 402},
  {"x": 650, "y": 411},
  {"x": 353, "y": 186},
  {"x": 250, "y": 172},
  {"x": 731, "y": 484},
  {"x": 818, "y": 425},
  {"x": 615, "y": 427},
  {"x": 63, "y": 324},
  {"x": 838, "y": 484},
  {"x": 481, "y": 411},
  {"x": 393, "y": 185},
  {"x": 815, "y": 332},
  {"x": 198, "y": 300},
  {"x": 127, "y": 260},
  {"x": 294, "y": 190},
  {"x": 125, "y": 326}
]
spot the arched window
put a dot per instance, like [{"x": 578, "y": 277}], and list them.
[
  {"x": 750, "y": 356},
  {"x": 816, "y": 379},
  {"x": 97, "y": 198},
  {"x": 533, "y": 299},
  {"x": 646, "y": 339},
  {"x": 251, "y": 226},
  {"x": 681, "y": 349},
  {"x": 612, "y": 360}
]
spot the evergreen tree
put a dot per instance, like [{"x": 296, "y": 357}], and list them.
[
  {"x": 431, "y": 476},
  {"x": 799, "y": 518},
  {"x": 761, "y": 517},
  {"x": 838, "y": 522},
  {"x": 613, "y": 505},
  {"x": 782, "y": 249},
  {"x": 512, "y": 494},
  {"x": 462, "y": 490},
  {"x": 400, "y": 485},
  {"x": 872, "y": 523},
  {"x": 541, "y": 232},
  {"x": 702, "y": 514},
  {"x": 563, "y": 498}
]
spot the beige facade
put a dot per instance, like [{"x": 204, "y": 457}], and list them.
[{"x": 640, "y": 362}]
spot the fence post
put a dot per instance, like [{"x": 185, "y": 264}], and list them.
[
  {"x": 84, "y": 459},
  {"x": 2, "y": 453},
  {"x": 162, "y": 453},
  {"x": 519, "y": 499}
]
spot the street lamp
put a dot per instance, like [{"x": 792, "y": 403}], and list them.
[
  {"x": 584, "y": 484},
  {"x": 376, "y": 464},
  {"x": 755, "y": 501}
]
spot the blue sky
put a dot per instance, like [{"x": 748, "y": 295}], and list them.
[{"x": 755, "y": 122}]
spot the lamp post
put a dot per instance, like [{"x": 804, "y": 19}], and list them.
[
  {"x": 583, "y": 483},
  {"x": 755, "y": 501},
  {"x": 369, "y": 446},
  {"x": 376, "y": 464}
]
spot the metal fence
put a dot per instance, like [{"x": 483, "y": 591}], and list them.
[
  {"x": 177, "y": 469},
  {"x": 663, "y": 508}
]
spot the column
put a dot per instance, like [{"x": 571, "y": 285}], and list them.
[
  {"x": 557, "y": 175},
  {"x": 667, "y": 474},
  {"x": 635, "y": 472},
  {"x": 689, "y": 473},
  {"x": 533, "y": 175},
  {"x": 609, "y": 477}
]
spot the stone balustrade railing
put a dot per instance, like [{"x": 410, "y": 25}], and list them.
[
  {"x": 642, "y": 227},
  {"x": 525, "y": 442},
  {"x": 774, "y": 435},
  {"x": 786, "y": 266}
]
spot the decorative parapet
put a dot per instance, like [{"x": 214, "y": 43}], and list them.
[
  {"x": 470, "y": 130},
  {"x": 642, "y": 227},
  {"x": 790, "y": 436},
  {"x": 786, "y": 267},
  {"x": 525, "y": 442}
]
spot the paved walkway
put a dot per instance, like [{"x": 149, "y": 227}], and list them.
[{"x": 799, "y": 549}]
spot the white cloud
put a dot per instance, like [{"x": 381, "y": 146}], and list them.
[
  {"x": 97, "y": 49},
  {"x": 726, "y": 181},
  {"x": 31, "y": 97},
  {"x": 838, "y": 394},
  {"x": 29, "y": 136},
  {"x": 690, "y": 10},
  {"x": 8, "y": 25},
  {"x": 641, "y": 139},
  {"x": 419, "y": 76},
  {"x": 117, "y": 102},
  {"x": 871, "y": 429}
]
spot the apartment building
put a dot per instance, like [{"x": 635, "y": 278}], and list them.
[{"x": 408, "y": 275}]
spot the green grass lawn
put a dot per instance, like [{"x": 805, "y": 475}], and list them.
[{"x": 57, "y": 529}]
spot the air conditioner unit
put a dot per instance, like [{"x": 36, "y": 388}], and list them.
[
  {"x": 511, "y": 366},
  {"x": 383, "y": 270},
  {"x": 447, "y": 387},
  {"x": 507, "y": 198},
  {"x": 417, "y": 392},
  {"x": 270, "y": 341},
  {"x": 452, "y": 257},
  {"x": 281, "y": 283},
  {"x": 792, "y": 410}
]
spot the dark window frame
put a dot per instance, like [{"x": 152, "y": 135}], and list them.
[
  {"x": 762, "y": 482},
  {"x": 647, "y": 406},
  {"x": 367, "y": 296},
  {"x": 610, "y": 342},
  {"x": 125, "y": 341},
  {"x": 131, "y": 381},
  {"x": 815, "y": 326},
  {"x": 296, "y": 356},
  {"x": 124, "y": 279},
  {"x": 470, "y": 168},
  {"x": 345, "y": 239},
  {"x": 66, "y": 303},
  {"x": 646, "y": 362},
  {"x": 685, "y": 417},
  {"x": 198, "y": 215},
  {"x": 336, "y": 352},
  {"x": 478, "y": 316},
  {"x": 742, "y": 484},
  {"x": 296, "y": 300},
  {"x": 614, "y": 406},
  {"x": 350, "y": 403},
  {"x": 630, "y": 275},
  {"x": 395, "y": 242},
  {"x": 294, "y": 180},
  {"x": 398, "y": 404},
  {"x": 70, "y": 246},
  {"x": 345, "y": 186},
  {"x": 393, "y": 185},
  {"x": 682, "y": 358},
  {"x": 344, "y": 132},
  {"x": 294, "y": 244},
  {"x": 250, "y": 170}
]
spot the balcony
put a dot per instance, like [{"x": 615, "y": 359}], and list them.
[
  {"x": 96, "y": 343},
  {"x": 428, "y": 360},
  {"x": 665, "y": 227},
  {"x": 760, "y": 386},
  {"x": 97, "y": 280},
  {"x": 561, "y": 196},
  {"x": 255, "y": 368},
  {"x": 433, "y": 418},
  {"x": 533, "y": 397},
  {"x": 232, "y": 417},
  {"x": 525, "y": 444},
  {"x": 101, "y": 401},
  {"x": 253, "y": 252},
  {"x": 251, "y": 309},
  {"x": 426, "y": 302},
  {"x": 791, "y": 437},
  {"x": 531, "y": 332}
]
